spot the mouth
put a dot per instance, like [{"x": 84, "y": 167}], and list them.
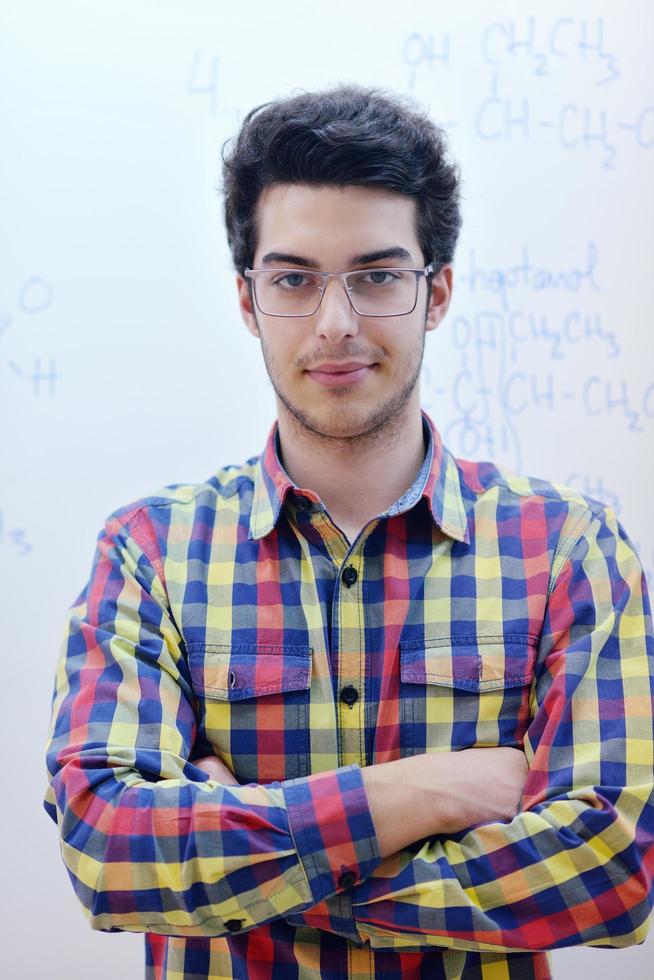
[{"x": 340, "y": 378}]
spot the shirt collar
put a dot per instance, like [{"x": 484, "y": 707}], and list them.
[{"x": 438, "y": 481}]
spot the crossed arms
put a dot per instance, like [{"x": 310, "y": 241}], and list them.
[{"x": 152, "y": 845}]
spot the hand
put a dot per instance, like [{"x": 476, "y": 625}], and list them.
[
  {"x": 443, "y": 793},
  {"x": 216, "y": 769},
  {"x": 479, "y": 786}
]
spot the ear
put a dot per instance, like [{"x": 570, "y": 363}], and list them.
[
  {"x": 245, "y": 304},
  {"x": 441, "y": 294}
]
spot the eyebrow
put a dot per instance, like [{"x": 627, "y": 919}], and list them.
[{"x": 395, "y": 252}]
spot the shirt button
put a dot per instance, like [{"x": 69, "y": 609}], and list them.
[
  {"x": 347, "y": 879},
  {"x": 302, "y": 503},
  {"x": 349, "y": 694},
  {"x": 350, "y": 575},
  {"x": 234, "y": 924}
]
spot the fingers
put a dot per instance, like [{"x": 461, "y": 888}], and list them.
[
  {"x": 211, "y": 766},
  {"x": 216, "y": 769}
]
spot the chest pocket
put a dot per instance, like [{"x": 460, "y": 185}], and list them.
[
  {"x": 465, "y": 692},
  {"x": 253, "y": 706}
]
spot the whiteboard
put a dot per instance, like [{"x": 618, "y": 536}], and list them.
[{"x": 125, "y": 365}]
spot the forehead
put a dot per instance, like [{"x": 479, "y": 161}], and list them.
[{"x": 332, "y": 223}]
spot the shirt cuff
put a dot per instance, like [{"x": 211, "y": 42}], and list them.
[{"x": 332, "y": 827}]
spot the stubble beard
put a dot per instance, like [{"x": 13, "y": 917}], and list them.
[{"x": 384, "y": 424}]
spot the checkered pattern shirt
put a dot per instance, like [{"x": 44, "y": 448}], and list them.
[{"x": 234, "y": 617}]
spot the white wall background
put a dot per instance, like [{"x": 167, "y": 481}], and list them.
[{"x": 124, "y": 364}]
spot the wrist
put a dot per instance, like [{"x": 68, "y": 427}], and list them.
[{"x": 404, "y": 797}]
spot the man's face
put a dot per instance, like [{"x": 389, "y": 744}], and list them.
[{"x": 324, "y": 228}]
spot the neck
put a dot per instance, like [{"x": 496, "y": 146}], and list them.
[{"x": 356, "y": 477}]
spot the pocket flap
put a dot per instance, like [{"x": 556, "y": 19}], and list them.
[
  {"x": 469, "y": 662},
  {"x": 232, "y": 672}
]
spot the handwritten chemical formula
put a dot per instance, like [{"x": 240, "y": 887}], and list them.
[
  {"x": 510, "y": 360},
  {"x": 535, "y": 69},
  {"x": 36, "y": 373}
]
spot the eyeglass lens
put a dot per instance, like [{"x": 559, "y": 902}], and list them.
[{"x": 374, "y": 292}]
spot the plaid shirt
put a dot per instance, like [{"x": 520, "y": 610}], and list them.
[{"x": 233, "y": 617}]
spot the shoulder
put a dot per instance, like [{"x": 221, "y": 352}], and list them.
[
  {"x": 186, "y": 498},
  {"x": 485, "y": 478},
  {"x": 527, "y": 505},
  {"x": 179, "y": 512}
]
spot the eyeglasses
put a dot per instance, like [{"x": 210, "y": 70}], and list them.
[{"x": 371, "y": 292}]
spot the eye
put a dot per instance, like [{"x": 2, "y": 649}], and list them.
[
  {"x": 289, "y": 280},
  {"x": 380, "y": 281}
]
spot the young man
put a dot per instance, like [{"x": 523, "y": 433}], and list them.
[{"x": 356, "y": 708}]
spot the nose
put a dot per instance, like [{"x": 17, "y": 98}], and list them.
[{"x": 335, "y": 317}]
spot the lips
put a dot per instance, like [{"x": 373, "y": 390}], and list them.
[
  {"x": 334, "y": 375},
  {"x": 337, "y": 368}
]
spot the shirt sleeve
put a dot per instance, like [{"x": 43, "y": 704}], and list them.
[
  {"x": 575, "y": 865},
  {"x": 150, "y": 843}
]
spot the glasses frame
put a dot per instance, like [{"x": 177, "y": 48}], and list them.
[{"x": 343, "y": 276}]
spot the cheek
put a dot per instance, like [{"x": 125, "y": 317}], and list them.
[
  {"x": 407, "y": 349},
  {"x": 280, "y": 355}
]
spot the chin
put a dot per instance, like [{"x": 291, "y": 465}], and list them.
[{"x": 341, "y": 421}]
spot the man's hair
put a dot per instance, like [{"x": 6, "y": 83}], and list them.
[{"x": 346, "y": 135}]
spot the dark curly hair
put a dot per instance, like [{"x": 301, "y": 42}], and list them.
[{"x": 348, "y": 134}]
